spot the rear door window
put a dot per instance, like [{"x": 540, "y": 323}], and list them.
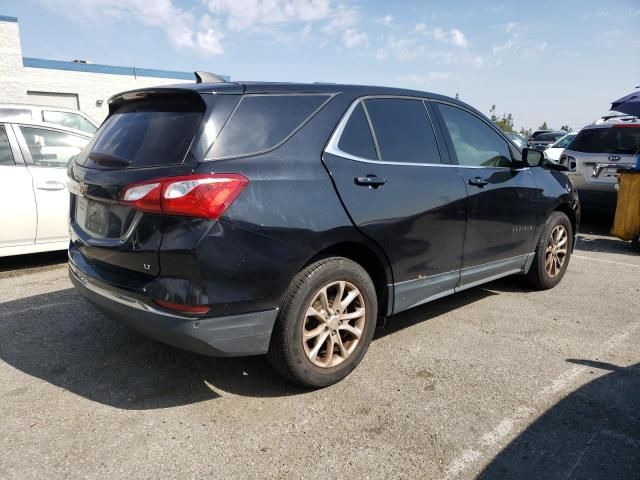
[
  {"x": 262, "y": 122},
  {"x": 6, "y": 155},
  {"x": 403, "y": 130},
  {"x": 624, "y": 140},
  {"x": 148, "y": 133},
  {"x": 356, "y": 137},
  {"x": 52, "y": 148}
]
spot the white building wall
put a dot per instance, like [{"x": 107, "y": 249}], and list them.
[
  {"x": 16, "y": 80},
  {"x": 90, "y": 87},
  {"x": 11, "y": 80}
]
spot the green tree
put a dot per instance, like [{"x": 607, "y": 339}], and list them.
[
  {"x": 544, "y": 126},
  {"x": 566, "y": 128},
  {"x": 505, "y": 122},
  {"x": 525, "y": 132}
]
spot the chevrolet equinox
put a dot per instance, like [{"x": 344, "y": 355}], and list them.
[{"x": 284, "y": 219}]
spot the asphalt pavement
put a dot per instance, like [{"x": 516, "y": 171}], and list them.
[{"x": 495, "y": 382}]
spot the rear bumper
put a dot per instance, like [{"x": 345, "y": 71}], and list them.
[{"x": 227, "y": 336}]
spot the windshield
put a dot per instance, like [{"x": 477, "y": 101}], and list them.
[
  {"x": 608, "y": 140},
  {"x": 564, "y": 141}
]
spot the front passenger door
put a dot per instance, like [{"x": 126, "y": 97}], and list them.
[{"x": 503, "y": 197}]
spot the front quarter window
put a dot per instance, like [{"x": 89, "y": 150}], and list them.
[
  {"x": 475, "y": 143},
  {"x": 69, "y": 120}
]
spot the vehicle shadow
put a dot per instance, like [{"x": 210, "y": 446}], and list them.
[
  {"x": 605, "y": 245},
  {"x": 592, "y": 433},
  {"x": 16, "y": 264},
  {"x": 60, "y": 338}
]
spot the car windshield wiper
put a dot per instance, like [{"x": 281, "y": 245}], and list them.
[{"x": 109, "y": 160}]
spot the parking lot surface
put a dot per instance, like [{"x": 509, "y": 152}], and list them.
[{"x": 497, "y": 382}]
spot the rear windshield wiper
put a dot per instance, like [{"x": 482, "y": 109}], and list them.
[{"x": 109, "y": 160}]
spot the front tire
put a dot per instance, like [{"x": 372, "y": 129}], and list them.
[
  {"x": 552, "y": 253},
  {"x": 326, "y": 323}
]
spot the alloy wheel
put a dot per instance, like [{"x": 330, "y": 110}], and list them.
[
  {"x": 556, "y": 251},
  {"x": 333, "y": 324}
]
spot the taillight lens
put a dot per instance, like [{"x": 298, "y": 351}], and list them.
[{"x": 204, "y": 196}]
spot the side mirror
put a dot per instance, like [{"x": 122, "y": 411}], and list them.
[{"x": 532, "y": 158}]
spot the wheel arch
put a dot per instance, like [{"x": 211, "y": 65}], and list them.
[
  {"x": 374, "y": 263},
  {"x": 569, "y": 212}
]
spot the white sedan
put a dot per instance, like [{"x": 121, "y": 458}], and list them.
[
  {"x": 34, "y": 201},
  {"x": 554, "y": 151}
]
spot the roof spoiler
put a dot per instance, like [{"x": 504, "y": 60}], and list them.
[{"x": 207, "y": 77}]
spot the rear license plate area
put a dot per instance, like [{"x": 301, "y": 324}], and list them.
[{"x": 93, "y": 216}]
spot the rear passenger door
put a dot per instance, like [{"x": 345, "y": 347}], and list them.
[
  {"x": 503, "y": 197},
  {"x": 47, "y": 152},
  {"x": 17, "y": 202},
  {"x": 386, "y": 163}
]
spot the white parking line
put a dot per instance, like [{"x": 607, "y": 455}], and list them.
[
  {"x": 563, "y": 382},
  {"x": 605, "y": 261}
]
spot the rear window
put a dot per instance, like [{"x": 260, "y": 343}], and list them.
[
  {"x": 549, "y": 137},
  {"x": 607, "y": 140},
  {"x": 149, "y": 133},
  {"x": 262, "y": 122}
]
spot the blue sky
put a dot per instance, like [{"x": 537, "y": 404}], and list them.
[{"x": 557, "y": 61}]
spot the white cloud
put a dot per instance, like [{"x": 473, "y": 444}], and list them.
[
  {"x": 519, "y": 38},
  {"x": 180, "y": 26},
  {"x": 457, "y": 38},
  {"x": 241, "y": 15},
  {"x": 344, "y": 22},
  {"x": 453, "y": 36},
  {"x": 509, "y": 27},
  {"x": 424, "y": 81},
  {"x": 353, "y": 38},
  {"x": 387, "y": 20}
]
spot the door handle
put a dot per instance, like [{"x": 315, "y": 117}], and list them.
[
  {"x": 370, "y": 181},
  {"x": 50, "y": 185},
  {"x": 478, "y": 182}
]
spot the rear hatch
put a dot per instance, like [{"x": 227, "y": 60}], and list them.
[
  {"x": 149, "y": 134},
  {"x": 612, "y": 145}
]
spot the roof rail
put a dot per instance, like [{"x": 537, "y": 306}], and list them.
[{"x": 208, "y": 77}]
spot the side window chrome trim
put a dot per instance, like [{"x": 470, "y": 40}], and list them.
[{"x": 332, "y": 145}]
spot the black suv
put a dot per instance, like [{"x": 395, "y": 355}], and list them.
[{"x": 250, "y": 218}]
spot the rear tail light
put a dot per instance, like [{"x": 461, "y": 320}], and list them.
[{"x": 204, "y": 196}]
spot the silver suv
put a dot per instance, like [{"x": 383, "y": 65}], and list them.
[
  {"x": 48, "y": 116},
  {"x": 596, "y": 154}
]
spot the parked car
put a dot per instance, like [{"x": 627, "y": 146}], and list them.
[
  {"x": 518, "y": 139},
  {"x": 286, "y": 218},
  {"x": 614, "y": 144},
  {"x": 536, "y": 133},
  {"x": 542, "y": 141},
  {"x": 34, "y": 198},
  {"x": 48, "y": 116},
  {"x": 553, "y": 151}
]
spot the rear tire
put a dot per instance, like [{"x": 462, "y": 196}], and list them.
[
  {"x": 317, "y": 339},
  {"x": 553, "y": 252}
]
